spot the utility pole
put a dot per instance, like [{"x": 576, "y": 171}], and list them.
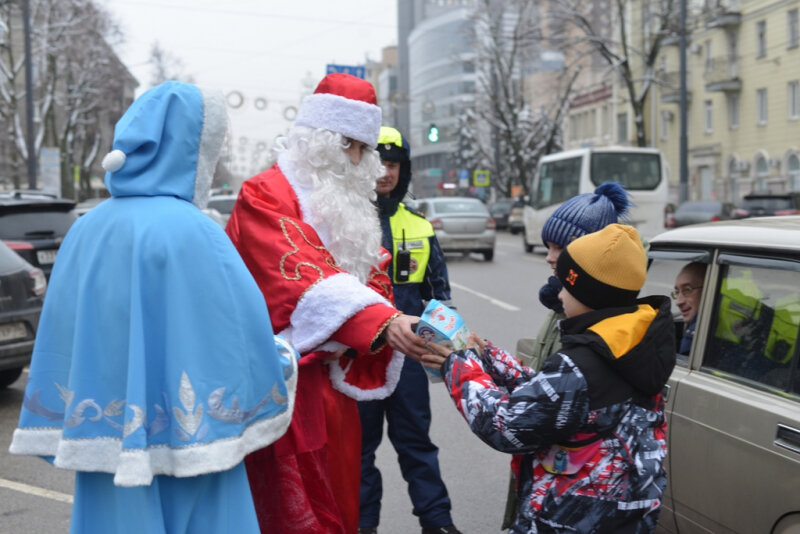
[
  {"x": 26, "y": 15},
  {"x": 684, "y": 166}
]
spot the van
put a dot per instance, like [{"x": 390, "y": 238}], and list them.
[{"x": 561, "y": 176}]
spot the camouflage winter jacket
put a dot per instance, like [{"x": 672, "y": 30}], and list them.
[{"x": 588, "y": 430}]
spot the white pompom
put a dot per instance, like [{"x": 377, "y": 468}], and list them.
[{"x": 114, "y": 160}]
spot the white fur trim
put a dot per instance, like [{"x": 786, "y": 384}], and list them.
[
  {"x": 212, "y": 137},
  {"x": 137, "y": 467},
  {"x": 114, "y": 160},
  {"x": 325, "y": 307},
  {"x": 393, "y": 370},
  {"x": 355, "y": 119}
]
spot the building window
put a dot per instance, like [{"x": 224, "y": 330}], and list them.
[
  {"x": 606, "y": 121},
  {"x": 761, "y": 38},
  {"x": 709, "y": 57},
  {"x": 622, "y": 127},
  {"x": 792, "y": 28},
  {"x": 761, "y": 107},
  {"x": 708, "y": 116},
  {"x": 762, "y": 173},
  {"x": 793, "y": 99},
  {"x": 793, "y": 169},
  {"x": 666, "y": 116},
  {"x": 733, "y": 111}
]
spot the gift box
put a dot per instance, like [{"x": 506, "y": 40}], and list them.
[{"x": 444, "y": 326}]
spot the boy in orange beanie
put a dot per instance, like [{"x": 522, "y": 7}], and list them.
[{"x": 588, "y": 431}]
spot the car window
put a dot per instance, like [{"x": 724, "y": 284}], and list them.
[
  {"x": 662, "y": 273},
  {"x": 222, "y": 205},
  {"x": 768, "y": 204},
  {"x": 755, "y": 323},
  {"x": 32, "y": 224},
  {"x": 459, "y": 206},
  {"x": 699, "y": 207}
]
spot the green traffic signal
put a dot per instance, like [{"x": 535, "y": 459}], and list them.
[{"x": 433, "y": 133}]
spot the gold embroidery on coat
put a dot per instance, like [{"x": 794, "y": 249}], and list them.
[{"x": 295, "y": 249}]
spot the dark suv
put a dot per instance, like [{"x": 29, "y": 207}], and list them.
[
  {"x": 33, "y": 224},
  {"x": 763, "y": 204},
  {"x": 21, "y": 289}
]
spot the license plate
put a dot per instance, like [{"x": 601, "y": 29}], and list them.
[
  {"x": 46, "y": 257},
  {"x": 12, "y": 331}
]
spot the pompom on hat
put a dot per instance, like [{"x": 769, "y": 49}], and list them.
[
  {"x": 605, "y": 269},
  {"x": 344, "y": 104},
  {"x": 587, "y": 213}
]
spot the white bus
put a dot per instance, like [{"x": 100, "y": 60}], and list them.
[{"x": 563, "y": 175}]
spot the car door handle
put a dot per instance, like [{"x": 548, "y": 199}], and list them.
[
  {"x": 788, "y": 438},
  {"x": 665, "y": 392}
]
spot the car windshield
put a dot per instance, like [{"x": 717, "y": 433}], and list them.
[
  {"x": 459, "y": 206},
  {"x": 222, "y": 205},
  {"x": 33, "y": 224},
  {"x": 766, "y": 203},
  {"x": 698, "y": 207}
]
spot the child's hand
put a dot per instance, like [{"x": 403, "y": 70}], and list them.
[
  {"x": 475, "y": 341},
  {"x": 438, "y": 354}
]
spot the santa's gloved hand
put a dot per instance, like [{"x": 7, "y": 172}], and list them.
[{"x": 548, "y": 295}]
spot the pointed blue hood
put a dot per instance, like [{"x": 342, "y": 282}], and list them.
[{"x": 154, "y": 352}]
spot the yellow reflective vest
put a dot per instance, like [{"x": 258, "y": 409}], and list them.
[{"x": 411, "y": 232}]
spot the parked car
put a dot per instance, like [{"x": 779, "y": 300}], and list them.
[
  {"x": 733, "y": 402},
  {"x": 462, "y": 224},
  {"x": 699, "y": 211},
  {"x": 34, "y": 224},
  {"x": 763, "y": 204},
  {"x": 516, "y": 217},
  {"x": 81, "y": 208},
  {"x": 500, "y": 211},
  {"x": 22, "y": 287},
  {"x": 222, "y": 203}
]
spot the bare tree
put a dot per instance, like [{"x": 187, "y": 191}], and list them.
[
  {"x": 501, "y": 131},
  {"x": 166, "y": 66},
  {"x": 77, "y": 83},
  {"x": 623, "y": 36}
]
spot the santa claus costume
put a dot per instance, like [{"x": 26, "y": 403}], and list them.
[{"x": 310, "y": 236}]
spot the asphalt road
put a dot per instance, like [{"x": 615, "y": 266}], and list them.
[{"x": 498, "y": 300}]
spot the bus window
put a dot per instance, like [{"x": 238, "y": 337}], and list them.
[
  {"x": 636, "y": 172},
  {"x": 558, "y": 181}
]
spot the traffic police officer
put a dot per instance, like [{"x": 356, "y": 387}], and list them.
[{"x": 418, "y": 274}]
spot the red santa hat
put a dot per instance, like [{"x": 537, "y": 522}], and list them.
[{"x": 344, "y": 104}]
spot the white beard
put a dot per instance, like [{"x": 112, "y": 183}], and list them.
[{"x": 340, "y": 196}]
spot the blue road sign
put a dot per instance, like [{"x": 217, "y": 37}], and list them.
[{"x": 354, "y": 70}]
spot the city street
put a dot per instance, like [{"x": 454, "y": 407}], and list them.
[{"x": 497, "y": 299}]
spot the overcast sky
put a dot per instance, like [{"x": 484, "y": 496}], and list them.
[{"x": 261, "y": 48}]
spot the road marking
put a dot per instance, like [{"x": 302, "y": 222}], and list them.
[
  {"x": 496, "y": 302},
  {"x": 33, "y": 490}
]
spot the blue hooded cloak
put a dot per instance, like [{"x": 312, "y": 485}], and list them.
[{"x": 154, "y": 353}]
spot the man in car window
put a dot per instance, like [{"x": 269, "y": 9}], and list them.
[
  {"x": 687, "y": 293},
  {"x": 418, "y": 274}
]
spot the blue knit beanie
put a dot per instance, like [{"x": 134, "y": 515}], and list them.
[{"x": 585, "y": 214}]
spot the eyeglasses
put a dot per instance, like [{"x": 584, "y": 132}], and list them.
[{"x": 684, "y": 291}]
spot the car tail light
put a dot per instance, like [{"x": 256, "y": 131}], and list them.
[
  {"x": 787, "y": 212},
  {"x": 437, "y": 224},
  {"x": 18, "y": 245},
  {"x": 490, "y": 224},
  {"x": 669, "y": 221},
  {"x": 740, "y": 213},
  {"x": 39, "y": 282},
  {"x": 715, "y": 218}
]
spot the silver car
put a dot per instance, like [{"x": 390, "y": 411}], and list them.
[
  {"x": 462, "y": 224},
  {"x": 733, "y": 400}
]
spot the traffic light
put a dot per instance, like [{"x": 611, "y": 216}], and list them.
[{"x": 433, "y": 133}]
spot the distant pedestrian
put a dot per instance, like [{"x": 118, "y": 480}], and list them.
[
  {"x": 588, "y": 431},
  {"x": 418, "y": 273},
  {"x": 155, "y": 370}
]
